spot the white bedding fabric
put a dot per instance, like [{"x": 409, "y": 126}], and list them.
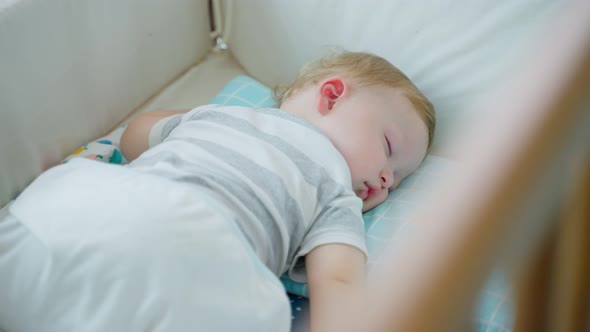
[
  {"x": 455, "y": 51},
  {"x": 163, "y": 265}
]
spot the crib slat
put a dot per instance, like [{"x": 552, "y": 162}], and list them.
[
  {"x": 554, "y": 291},
  {"x": 571, "y": 297},
  {"x": 471, "y": 224},
  {"x": 532, "y": 288}
]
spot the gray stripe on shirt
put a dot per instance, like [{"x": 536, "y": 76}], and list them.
[
  {"x": 268, "y": 181},
  {"x": 328, "y": 189},
  {"x": 172, "y": 123},
  {"x": 340, "y": 216},
  {"x": 311, "y": 171},
  {"x": 213, "y": 179}
]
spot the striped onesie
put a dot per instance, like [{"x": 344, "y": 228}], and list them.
[{"x": 287, "y": 185}]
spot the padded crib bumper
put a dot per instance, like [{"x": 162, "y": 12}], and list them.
[{"x": 71, "y": 70}]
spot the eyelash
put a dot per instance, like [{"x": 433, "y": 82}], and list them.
[{"x": 388, "y": 146}]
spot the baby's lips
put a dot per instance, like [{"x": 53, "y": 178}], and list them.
[
  {"x": 363, "y": 193},
  {"x": 373, "y": 192}
]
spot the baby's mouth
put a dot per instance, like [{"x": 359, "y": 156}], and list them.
[
  {"x": 368, "y": 192},
  {"x": 363, "y": 194}
]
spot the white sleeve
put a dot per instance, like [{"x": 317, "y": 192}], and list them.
[
  {"x": 162, "y": 129},
  {"x": 338, "y": 223}
]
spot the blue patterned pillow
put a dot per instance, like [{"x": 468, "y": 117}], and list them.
[{"x": 245, "y": 91}]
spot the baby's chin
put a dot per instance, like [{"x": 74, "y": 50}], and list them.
[{"x": 373, "y": 202}]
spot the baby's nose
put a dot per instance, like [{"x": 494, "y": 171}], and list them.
[{"x": 386, "y": 178}]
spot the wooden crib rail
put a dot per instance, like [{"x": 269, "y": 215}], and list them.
[
  {"x": 553, "y": 291},
  {"x": 524, "y": 171}
]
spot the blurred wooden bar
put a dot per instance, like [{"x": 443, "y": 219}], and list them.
[
  {"x": 571, "y": 284},
  {"x": 532, "y": 289},
  {"x": 553, "y": 292},
  {"x": 504, "y": 206}
]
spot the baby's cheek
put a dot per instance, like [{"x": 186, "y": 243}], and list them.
[{"x": 362, "y": 170}]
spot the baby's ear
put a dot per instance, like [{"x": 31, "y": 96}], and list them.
[{"x": 330, "y": 90}]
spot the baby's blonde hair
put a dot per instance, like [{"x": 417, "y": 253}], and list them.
[{"x": 365, "y": 69}]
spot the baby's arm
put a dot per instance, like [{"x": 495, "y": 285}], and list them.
[
  {"x": 134, "y": 140},
  {"x": 335, "y": 276}
]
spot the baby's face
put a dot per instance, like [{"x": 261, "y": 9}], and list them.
[{"x": 381, "y": 137}]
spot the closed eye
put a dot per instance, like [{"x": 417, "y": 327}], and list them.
[{"x": 388, "y": 146}]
